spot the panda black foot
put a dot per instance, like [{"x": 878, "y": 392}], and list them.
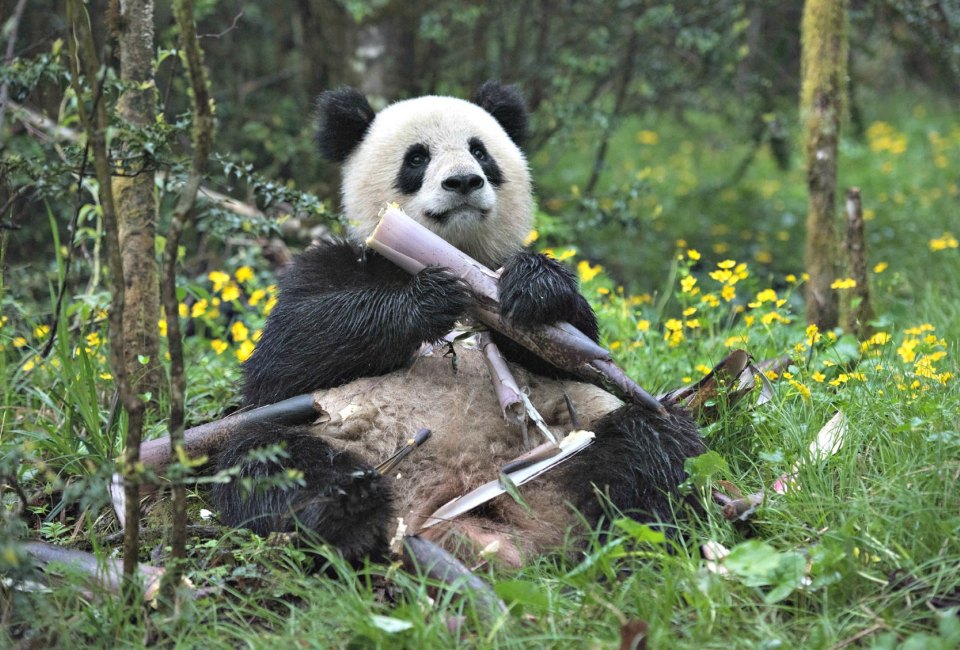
[{"x": 339, "y": 501}]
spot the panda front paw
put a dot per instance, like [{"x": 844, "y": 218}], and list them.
[
  {"x": 440, "y": 299},
  {"x": 536, "y": 290}
]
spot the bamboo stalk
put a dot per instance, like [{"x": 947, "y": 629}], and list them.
[
  {"x": 413, "y": 247},
  {"x": 206, "y": 437}
]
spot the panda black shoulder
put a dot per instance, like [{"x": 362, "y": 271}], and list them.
[{"x": 335, "y": 264}]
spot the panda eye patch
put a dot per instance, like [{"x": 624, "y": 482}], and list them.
[
  {"x": 487, "y": 163},
  {"x": 417, "y": 156},
  {"x": 414, "y": 168},
  {"x": 477, "y": 150}
]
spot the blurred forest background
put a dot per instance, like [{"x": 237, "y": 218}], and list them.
[{"x": 653, "y": 121}]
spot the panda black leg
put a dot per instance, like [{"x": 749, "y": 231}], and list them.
[
  {"x": 341, "y": 501},
  {"x": 637, "y": 460}
]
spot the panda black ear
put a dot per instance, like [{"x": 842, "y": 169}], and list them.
[
  {"x": 344, "y": 115},
  {"x": 507, "y": 106}
]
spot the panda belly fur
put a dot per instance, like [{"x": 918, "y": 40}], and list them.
[{"x": 633, "y": 466}]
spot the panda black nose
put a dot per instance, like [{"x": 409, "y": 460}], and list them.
[{"x": 462, "y": 183}]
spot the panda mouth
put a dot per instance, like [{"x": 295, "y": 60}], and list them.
[{"x": 461, "y": 211}]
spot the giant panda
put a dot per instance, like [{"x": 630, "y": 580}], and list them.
[{"x": 349, "y": 324}]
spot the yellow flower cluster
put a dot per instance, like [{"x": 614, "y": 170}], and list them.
[
  {"x": 728, "y": 273},
  {"x": 923, "y": 349},
  {"x": 884, "y": 137},
  {"x": 945, "y": 241}
]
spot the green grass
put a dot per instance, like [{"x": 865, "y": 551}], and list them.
[{"x": 863, "y": 548}]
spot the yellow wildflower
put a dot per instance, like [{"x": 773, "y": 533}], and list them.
[
  {"x": 843, "y": 283},
  {"x": 880, "y": 267},
  {"x": 705, "y": 369},
  {"x": 106, "y": 376},
  {"x": 767, "y": 295},
  {"x": 531, "y": 237},
  {"x": 231, "y": 292},
  {"x": 728, "y": 293},
  {"x": 245, "y": 350},
  {"x": 586, "y": 271},
  {"x": 772, "y": 317},
  {"x": 693, "y": 254},
  {"x": 268, "y": 307},
  {"x": 687, "y": 284},
  {"x": 239, "y": 332},
  {"x": 643, "y": 325},
  {"x": 183, "y": 310},
  {"x": 906, "y": 350},
  {"x": 945, "y": 241},
  {"x": 257, "y": 296},
  {"x": 19, "y": 342},
  {"x": 818, "y": 376},
  {"x": 199, "y": 308},
  {"x": 693, "y": 323},
  {"x": 41, "y": 331},
  {"x": 726, "y": 264},
  {"x": 648, "y": 137},
  {"x": 919, "y": 329},
  {"x": 803, "y": 390},
  {"x": 218, "y": 346},
  {"x": 162, "y": 326},
  {"x": 689, "y": 311},
  {"x": 736, "y": 340},
  {"x": 791, "y": 278},
  {"x": 219, "y": 279},
  {"x": 243, "y": 274},
  {"x": 711, "y": 300},
  {"x": 721, "y": 275}
]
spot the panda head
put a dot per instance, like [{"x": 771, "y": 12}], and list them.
[{"x": 454, "y": 166}]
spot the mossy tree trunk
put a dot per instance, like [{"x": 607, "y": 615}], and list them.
[
  {"x": 135, "y": 198},
  {"x": 822, "y": 101}
]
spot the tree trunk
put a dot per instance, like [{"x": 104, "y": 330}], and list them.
[
  {"x": 136, "y": 202},
  {"x": 823, "y": 62}
]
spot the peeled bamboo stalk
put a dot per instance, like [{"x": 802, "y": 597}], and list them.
[{"x": 413, "y": 247}]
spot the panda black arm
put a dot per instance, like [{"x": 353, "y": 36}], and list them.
[
  {"x": 342, "y": 315},
  {"x": 537, "y": 290}
]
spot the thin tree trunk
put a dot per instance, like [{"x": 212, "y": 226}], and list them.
[
  {"x": 135, "y": 200},
  {"x": 860, "y": 311},
  {"x": 85, "y": 61},
  {"x": 823, "y": 60},
  {"x": 202, "y": 140}
]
